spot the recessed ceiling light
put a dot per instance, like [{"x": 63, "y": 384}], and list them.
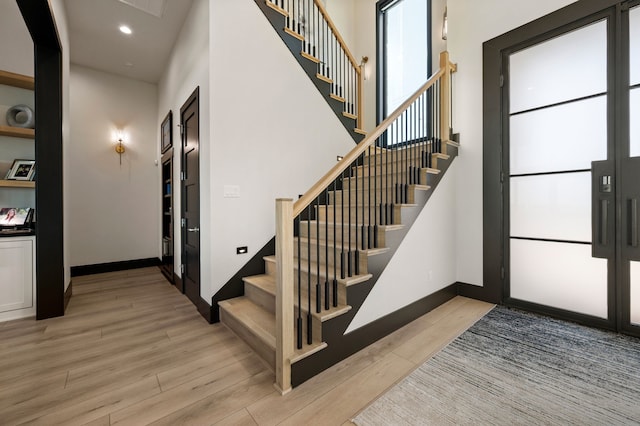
[
  {"x": 128, "y": 64},
  {"x": 126, "y": 30}
]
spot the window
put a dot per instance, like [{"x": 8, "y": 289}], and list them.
[{"x": 404, "y": 44}]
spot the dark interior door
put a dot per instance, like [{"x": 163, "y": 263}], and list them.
[{"x": 189, "y": 119}]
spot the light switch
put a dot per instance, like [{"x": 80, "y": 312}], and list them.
[{"x": 231, "y": 191}]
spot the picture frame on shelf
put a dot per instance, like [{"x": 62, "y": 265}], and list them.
[
  {"x": 166, "y": 133},
  {"x": 15, "y": 216},
  {"x": 21, "y": 170}
]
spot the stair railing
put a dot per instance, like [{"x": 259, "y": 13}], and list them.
[
  {"x": 339, "y": 217},
  {"x": 309, "y": 22}
]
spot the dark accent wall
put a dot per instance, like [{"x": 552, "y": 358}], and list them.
[
  {"x": 235, "y": 286},
  {"x": 50, "y": 293}
]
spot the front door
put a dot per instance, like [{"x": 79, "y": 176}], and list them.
[
  {"x": 190, "y": 194},
  {"x": 572, "y": 181}
]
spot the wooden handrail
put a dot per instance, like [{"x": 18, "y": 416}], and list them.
[
  {"x": 341, "y": 166},
  {"x": 335, "y": 31}
]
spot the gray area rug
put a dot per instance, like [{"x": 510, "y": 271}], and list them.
[{"x": 517, "y": 368}]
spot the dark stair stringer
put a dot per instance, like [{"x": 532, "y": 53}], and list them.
[{"x": 278, "y": 22}]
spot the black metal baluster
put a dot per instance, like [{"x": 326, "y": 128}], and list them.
[
  {"x": 299, "y": 313},
  {"x": 368, "y": 228},
  {"x": 375, "y": 192},
  {"x": 350, "y": 259},
  {"x": 355, "y": 229},
  {"x": 326, "y": 247},
  {"x": 309, "y": 337},
  {"x": 343, "y": 254},
  {"x": 335, "y": 245},
  {"x": 318, "y": 287}
]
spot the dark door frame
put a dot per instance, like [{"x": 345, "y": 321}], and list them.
[
  {"x": 50, "y": 293},
  {"x": 495, "y": 155},
  {"x": 381, "y": 36},
  {"x": 195, "y": 298}
]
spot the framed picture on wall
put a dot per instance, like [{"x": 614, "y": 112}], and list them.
[
  {"x": 166, "y": 133},
  {"x": 22, "y": 170}
]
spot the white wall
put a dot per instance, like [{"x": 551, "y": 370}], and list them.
[
  {"x": 470, "y": 24},
  {"x": 187, "y": 69},
  {"x": 425, "y": 261},
  {"x": 16, "y": 46},
  {"x": 273, "y": 134},
  {"x": 59, "y": 13},
  {"x": 113, "y": 208}
]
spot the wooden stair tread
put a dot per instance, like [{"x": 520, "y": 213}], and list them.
[
  {"x": 310, "y": 57},
  {"x": 360, "y": 131},
  {"x": 349, "y": 115},
  {"x": 260, "y": 321},
  {"x": 353, "y": 225},
  {"x": 268, "y": 284},
  {"x": 441, "y": 156},
  {"x": 277, "y": 8},
  {"x": 324, "y": 78},
  {"x": 349, "y": 281},
  {"x": 452, "y": 143},
  {"x": 429, "y": 170},
  {"x": 337, "y": 98},
  {"x": 294, "y": 34},
  {"x": 263, "y": 323},
  {"x": 313, "y": 241}
]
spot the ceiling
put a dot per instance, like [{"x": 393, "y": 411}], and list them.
[{"x": 96, "y": 41}]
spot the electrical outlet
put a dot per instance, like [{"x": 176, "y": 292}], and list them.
[{"x": 242, "y": 250}]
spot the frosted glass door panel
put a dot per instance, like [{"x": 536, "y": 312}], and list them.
[
  {"x": 635, "y": 293},
  {"x": 634, "y": 44},
  {"x": 555, "y": 207},
  {"x": 634, "y": 114},
  {"x": 561, "y": 138},
  {"x": 567, "y": 67},
  {"x": 560, "y": 275}
]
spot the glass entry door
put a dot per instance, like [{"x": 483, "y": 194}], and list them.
[
  {"x": 631, "y": 180},
  {"x": 558, "y": 97},
  {"x": 571, "y": 126}
]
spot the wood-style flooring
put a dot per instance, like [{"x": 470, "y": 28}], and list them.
[{"x": 132, "y": 350}]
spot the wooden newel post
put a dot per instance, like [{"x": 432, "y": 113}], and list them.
[
  {"x": 284, "y": 294},
  {"x": 445, "y": 101}
]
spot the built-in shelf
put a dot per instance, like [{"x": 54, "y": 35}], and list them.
[
  {"x": 17, "y": 132},
  {"x": 17, "y": 184},
  {"x": 16, "y": 80}
]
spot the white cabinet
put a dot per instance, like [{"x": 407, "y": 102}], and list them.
[{"x": 17, "y": 277}]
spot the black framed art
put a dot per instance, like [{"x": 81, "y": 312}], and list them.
[{"x": 166, "y": 133}]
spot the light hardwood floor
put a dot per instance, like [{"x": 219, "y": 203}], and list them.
[{"x": 132, "y": 350}]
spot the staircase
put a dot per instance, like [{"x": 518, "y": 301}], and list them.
[
  {"x": 315, "y": 42},
  {"x": 334, "y": 242}
]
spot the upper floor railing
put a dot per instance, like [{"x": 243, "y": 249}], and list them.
[{"x": 308, "y": 21}]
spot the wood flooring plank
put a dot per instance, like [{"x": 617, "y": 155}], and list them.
[
  {"x": 177, "y": 398},
  {"x": 131, "y": 345},
  {"x": 216, "y": 407},
  {"x": 334, "y": 408},
  {"x": 98, "y": 406},
  {"x": 225, "y": 352},
  {"x": 239, "y": 418},
  {"x": 437, "y": 336}
]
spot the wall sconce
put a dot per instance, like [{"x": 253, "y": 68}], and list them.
[
  {"x": 363, "y": 65},
  {"x": 120, "y": 145},
  {"x": 444, "y": 25}
]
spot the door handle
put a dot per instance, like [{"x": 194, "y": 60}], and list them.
[
  {"x": 604, "y": 219},
  {"x": 193, "y": 229},
  {"x": 633, "y": 222}
]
